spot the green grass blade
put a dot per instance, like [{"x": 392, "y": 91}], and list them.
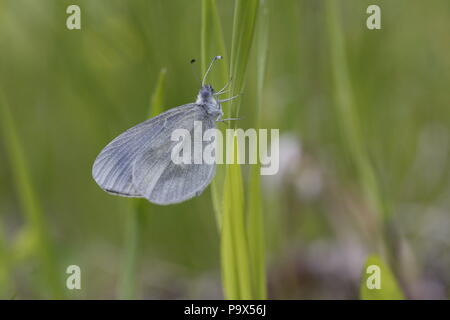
[
  {"x": 256, "y": 244},
  {"x": 255, "y": 219},
  {"x": 128, "y": 280},
  {"x": 134, "y": 219},
  {"x": 234, "y": 237},
  {"x": 347, "y": 110},
  {"x": 5, "y": 274},
  {"x": 245, "y": 13},
  {"x": 230, "y": 278},
  {"x": 389, "y": 288},
  {"x": 157, "y": 99},
  {"x": 234, "y": 233},
  {"x": 262, "y": 48},
  {"x": 212, "y": 44},
  {"x": 350, "y": 124},
  {"x": 30, "y": 204}
]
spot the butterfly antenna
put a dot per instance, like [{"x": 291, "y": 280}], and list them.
[{"x": 209, "y": 68}]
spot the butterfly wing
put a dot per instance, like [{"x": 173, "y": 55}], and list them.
[
  {"x": 160, "y": 180},
  {"x": 112, "y": 169}
]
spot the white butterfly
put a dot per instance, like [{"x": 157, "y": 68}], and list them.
[{"x": 138, "y": 162}]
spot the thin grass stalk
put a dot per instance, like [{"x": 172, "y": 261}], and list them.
[
  {"x": 234, "y": 235},
  {"x": 128, "y": 280},
  {"x": 128, "y": 284},
  {"x": 32, "y": 209},
  {"x": 245, "y": 13},
  {"x": 230, "y": 280},
  {"x": 5, "y": 267},
  {"x": 234, "y": 238},
  {"x": 213, "y": 44},
  {"x": 348, "y": 118},
  {"x": 350, "y": 125},
  {"x": 255, "y": 219}
]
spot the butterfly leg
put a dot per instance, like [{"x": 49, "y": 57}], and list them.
[
  {"x": 222, "y": 91},
  {"x": 229, "y": 99},
  {"x": 228, "y": 119}
]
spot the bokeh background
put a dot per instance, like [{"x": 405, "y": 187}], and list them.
[{"x": 71, "y": 92}]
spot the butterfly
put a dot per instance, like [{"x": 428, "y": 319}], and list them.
[{"x": 138, "y": 162}]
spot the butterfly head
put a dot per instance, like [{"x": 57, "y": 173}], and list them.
[{"x": 206, "y": 96}]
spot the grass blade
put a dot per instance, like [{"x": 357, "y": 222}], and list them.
[
  {"x": 157, "y": 99},
  {"x": 212, "y": 44},
  {"x": 5, "y": 283},
  {"x": 30, "y": 204},
  {"x": 245, "y": 13},
  {"x": 256, "y": 245},
  {"x": 234, "y": 239},
  {"x": 347, "y": 110},
  {"x": 234, "y": 236},
  {"x": 350, "y": 125},
  {"x": 255, "y": 219},
  {"x": 134, "y": 219},
  {"x": 128, "y": 280},
  {"x": 389, "y": 288}
]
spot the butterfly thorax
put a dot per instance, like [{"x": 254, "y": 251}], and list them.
[{"x": 206, "y": 99}]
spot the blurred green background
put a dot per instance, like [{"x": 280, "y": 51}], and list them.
[{"x": 71, "y": 92}]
